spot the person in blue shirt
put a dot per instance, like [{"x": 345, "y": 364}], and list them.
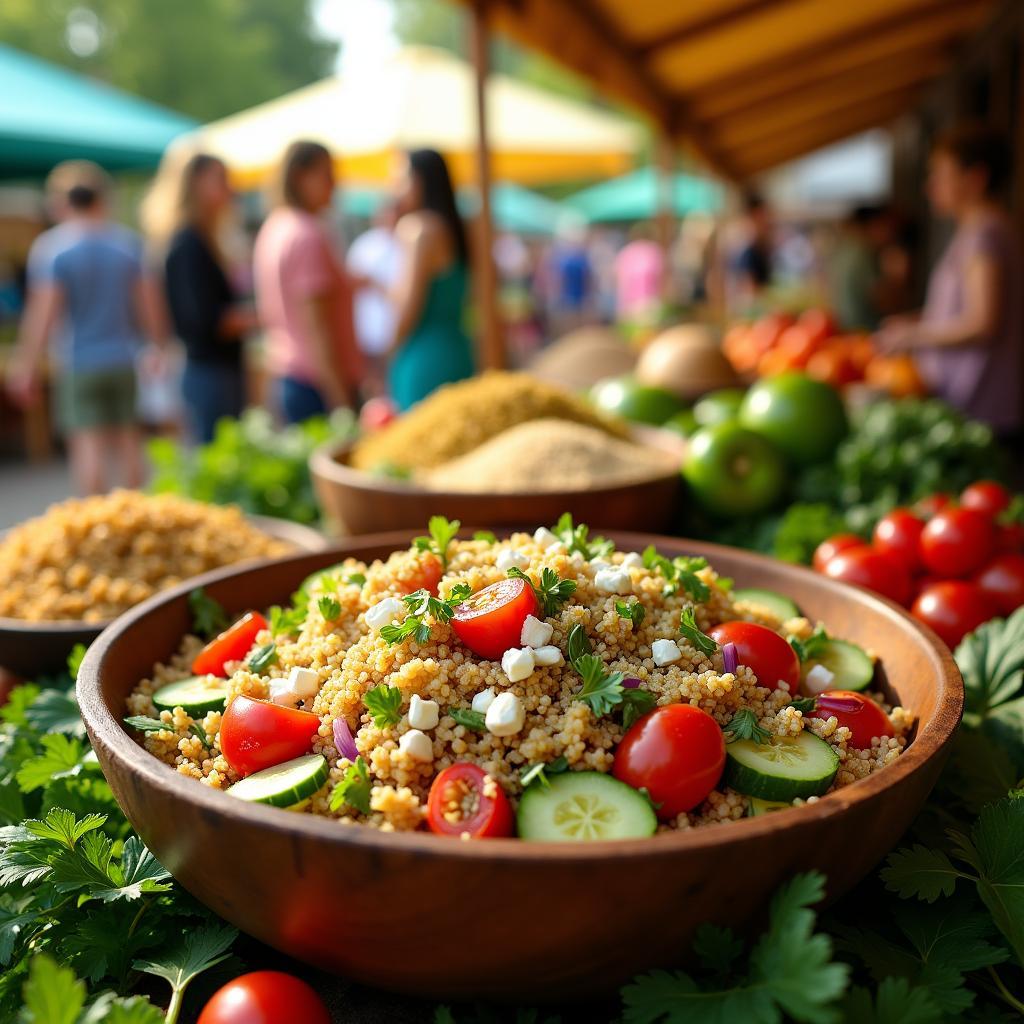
[{"x": 87, "y": 288}]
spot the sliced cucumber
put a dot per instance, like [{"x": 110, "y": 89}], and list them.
[
  {"x": 850, "y": 665},
  {"x": 582, "y": 806},
  {"x": 757, "y": 807},
  {"x": 778, "y": 604},
  {"x": 196, "y": 695},
  {"x": 284, "y": 785},
  {"x": 782, "y": 770}
]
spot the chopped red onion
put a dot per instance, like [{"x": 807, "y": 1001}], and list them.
[
  {"x": 631, "y": 683},
  {"x": 830, "y": 702},
  {"x": 730, "y": 657},
  {"x": 343, "y": 740}
]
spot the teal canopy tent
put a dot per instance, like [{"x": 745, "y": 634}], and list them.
[
  {"x": 49, "y": 114},
  {"x": 636, "y": 197}
]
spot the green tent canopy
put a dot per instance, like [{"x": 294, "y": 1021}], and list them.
[
  {"x": 49, "y": 114},
  {"x": 636, "y": 197}
]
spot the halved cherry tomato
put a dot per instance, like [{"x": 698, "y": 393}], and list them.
[
  {"x": 766, "y": 653},
  {"x": 457, "y": 804},
  {"x": 491, "y": 621},
  {"x": 828, "y": 549},
  {"x": 860, "y": 714},
  {"x": 953, "y": 608},
  {"x": 986, "y": 496},
  {"x": 265, "y": 997},
  {"x": 255, "y": 734},
  {"x": 1003, "y": 580},
  {"x": 874, "y": 569},
  {"x": 231, "y": 645},
  {"x": 927, "y": 507},
  {"x": 898, "y": 534},
  {"x": 676, "y": 753},
  {"x": 957, "y": 541}
]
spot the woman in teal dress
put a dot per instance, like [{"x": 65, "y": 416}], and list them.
[{"x": 430, "y": 347}]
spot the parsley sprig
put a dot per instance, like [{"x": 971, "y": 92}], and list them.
[
  {"x": 578, "y": 644},
  {"x": 422, "y": 604},
  {"x": 636, "y": 702},
  {"x": 744, "y": 726},
  {"x": 601, "y": 690},
  {"x": 288, "y": 621},
  {"x": 551, "y": 593},
  {"x": 354, "y": 788},
  {"x": 632, "y": 610},
  {"x": 576, "y": 538},
  {"x": 330, "y": 608},
  {"x": 812, "y": 646},
  {"x": 208, "y": 615},
  {"x": 680, "y": 573},
  {"x": 538, "y": 773},
  {"x": 442, "y": 533},
  {"x": 691, "y": 631},
  {"x": 384, "y": 703}
]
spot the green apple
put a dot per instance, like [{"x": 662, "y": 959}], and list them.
[
  {"x": 682, "y": 423},
  {"x": 626, "y": 397},
  {"x": 719, "y": 406}
]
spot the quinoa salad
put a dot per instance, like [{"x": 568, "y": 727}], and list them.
[{"x": 545, "y": 685}]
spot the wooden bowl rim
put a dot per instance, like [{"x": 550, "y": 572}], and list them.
[
  {"x": 325, "y": 461},
  {"x": 288, "y": 530},
  {"x": 108, "y": 731}
]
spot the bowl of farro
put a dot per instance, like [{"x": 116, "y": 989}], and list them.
[
  {"x": 66, "y": 574},
  {"x": 525, "y": 756}
]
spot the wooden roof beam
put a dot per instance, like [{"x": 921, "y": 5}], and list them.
[{"x": 710, "y": 22}]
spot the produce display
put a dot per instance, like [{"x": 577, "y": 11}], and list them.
[
  {"x": 90, "y": 559},
  {"x": 546, "y": 686}
]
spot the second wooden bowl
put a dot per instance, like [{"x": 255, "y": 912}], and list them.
[{"x": 503, "y": 917}]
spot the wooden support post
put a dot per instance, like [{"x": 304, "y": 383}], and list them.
[
  {"x": 492, "y": 345},
  {"x": 665, "y": 159}
]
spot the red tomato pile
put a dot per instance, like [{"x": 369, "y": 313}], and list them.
[{"x": 954, "y": 564}]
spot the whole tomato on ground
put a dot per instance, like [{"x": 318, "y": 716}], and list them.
[
  {"x": 873, "y": 569},
  {"x": 957, "y": 541},
  {"x": 1003, "y": 581},
  {"x": 899, "y": 534},
  {"x": 265, "y": 997},
  {"x": 256, "y": 734},
  {"x": 458, "y": 790},
  {"x": 986, "y": 496},
  {"x": 860, "y": 714},
  {"x": 828, "y": 549},
  {"x": 491, "y": 620},
  {"x": 953, "y": 608},
  {"x": 768, "y": 656},
  {"x": 676, "y": 753}
]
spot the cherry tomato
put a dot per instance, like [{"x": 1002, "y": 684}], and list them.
[
  {"x": 953, "y": 608},
  {"x": 828, "y": 549},
  {"x": 491, "y": 621},
  {"x": 986, "y": 496},
  {"x": 1003, "y": 580},
  {"x": 770, "y": 658},
  {"x": 860, "y": 714},
  {"x": 255, "y": 734},
  {"x": 459, "y": 790},
  {"x": 1010, "y": 538},
  {"x": 899, "y": 534},
  {"x": 957, "y": 541},
  {"x": 676, "y": 753},
  {"x": 874, "y": 569},
  {"x": 265, "y": 997},
  {"x": 927, "y": 507},
  {"x": 231, "y": 645}
]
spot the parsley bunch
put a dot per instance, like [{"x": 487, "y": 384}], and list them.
[
  {"x": 576, "y": 538},
  {"x": 551, "y": 593},
  {"x": 680, "y": 573},
  {"x": 421, "y": 604},
  {"x": 442, "y": 533}
]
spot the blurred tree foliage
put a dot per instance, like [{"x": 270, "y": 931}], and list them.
[{"x": 205, "y": 58}]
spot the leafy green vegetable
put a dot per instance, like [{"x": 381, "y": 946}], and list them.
[
  {"x": 551, "y": 593},
  {"x": 329, "y": 607},
  {"x": 636, "y": 702},
  {"x": 356, "y": 579},
  {"x": 744, "y": 726},
  {"x": 578, "y": 644},
  {"x": 469, "y": 718},
  {"x": 208, "y": 615},
  {"x": 262, "y": 658},
  {"x": 75, "y": 660},
  {"x": 575, "y": 538},
  {"x": 354, "y": 788},
  {"x": 691, "y": 631},
  {"x": 632, "y": 610},
  {"x": 485, "y": 535},
  {"x": 601, "y": 690},
  {"x": 991, "y": 660},
  {"x": 288, "y": 621},
  {"x": 383, "y": 702},
  {"x": 442, "y": 533},
  {"x": 680, "y": 573},
  {"x": 422, "y": 603},
  {"x": 812, "y": 646},
  {"x": 538, "y": 773}
]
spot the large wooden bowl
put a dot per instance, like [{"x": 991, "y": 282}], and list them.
[
  {"x": 502, "y": 917},
  {"x": 30, "y": 649},
  {"x": 357, "y": 502}
]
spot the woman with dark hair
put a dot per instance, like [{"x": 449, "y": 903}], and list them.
[
  {"x": 967, "y": 341},
  {"x": 184, "y": 215},
  {"x": 303, "y": 295},
  {"x": 430, "y": 347}
]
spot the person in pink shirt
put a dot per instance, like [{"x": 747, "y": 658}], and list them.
[
  {"x": 303, "y": 295},
  {"x": 639, "y": 275}
]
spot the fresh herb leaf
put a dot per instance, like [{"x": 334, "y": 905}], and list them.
[
  {"x": 991, "y": 660},
  {"x": 691, "y": 631},
  {"x": 61, "y": 756},
  {"x": 383, "y": 702},
  {"x": 75, "y": 661},
  {"x": 469, "y": 718},
  {"x": 680, "y": 573},
  {"x": 578, "y": 644},
  {"x": 146, "y": 724},
  {"x": 895, "y": 1001},
  {"x": 287, "y": 621},
  {"x": 725, "y": 583},
  {"x": 744, "y": 726},
  {"x": 539, "y": 772},
  {"x": 421, "y": 603},
  {"x": 354, "y": 788},
  {"x": 632, "y": 610},
  {"x": 442, "y": 533},
  {"x": 920, "y": 872},
  {"x": 486, "y": 535},
  {"x": 636, "y": 703},
  {"x": 356, "y": 579},
  {"x": 329, "y": 607},
  {"x": 805, "y": 705},
  {"x": 552, "y": 592},
  {"x": 55, "y": 710},
  {"x": 208, "y": 615},
  {"x": 601, "y": 690},
  {"x": 53, "y": 995},
  {"x": 812, "y": 646},
  {"x": 576, "y": 538},
  {"x": 262, "y": 658}
]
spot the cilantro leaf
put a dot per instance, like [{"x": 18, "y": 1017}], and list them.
[
  {"x": 921, "y": 872},
  {"x": 991, "y": 660},
  {"x": 469, "y": 718},
  {"x": 442, "y": 533},
  {"x": 744, "y": 726},
  {"x": 262, "y": 658},
  {"x": 208, "y": 615},
  {"x": 691, "y": 632},
  {"x": 412, "y": 625},
  {"x": 636, "y": 702},
  {"x": 62, "y": 755},
  {"x": 329, "y": 607},
  {"x": 383, "y": 702},
  {"x": 287, "y": 621},
  {"x": 61, "y": 826},
  {"x": 680, "y": 573},
  {"x": 811, "y": 647},
  {"x": 421, "y": 603},
  {"x": 601, "y": 691},
  {"x": 354, "y": 788},
  {"x": 55, "y": 711},
  {"x": 895, "y": 1002},
  {"x": 551, "y": 593},
  {"x": 632, "y": 610},
  {"x": 576, "y": 538}
]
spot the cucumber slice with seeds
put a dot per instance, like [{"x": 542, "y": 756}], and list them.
[
  {"x": 778, "y": 604},
  {"x": 782, "y": 770},
  {"x": 580, "y": 806},
  {"x": 757, "y": 807},
  {"x": 196, "y": 695},
  {"x": 850, "y": 665},
  {"x": 284, "y": 785}
]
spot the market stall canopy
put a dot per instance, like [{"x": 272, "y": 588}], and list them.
[
  {"x": 49, "y": 114},
  {"x": 425, "y": 97},
  {"x": 637, "y": 196},
  {"x": 750, "y": 84}
]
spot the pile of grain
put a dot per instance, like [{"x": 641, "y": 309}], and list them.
[
  {"x": 460, "y": 417},
  {"x": 548, "y": 455}
]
